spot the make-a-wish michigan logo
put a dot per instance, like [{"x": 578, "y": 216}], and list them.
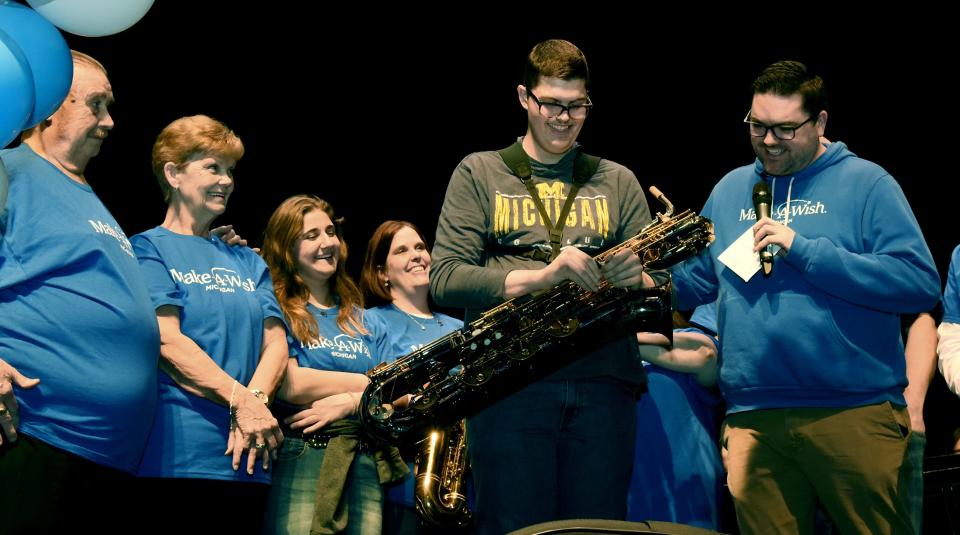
[
  {"x": 798, "y": 207},
  {"x": 218, "y": 279},
  {"x": 341, "y": 346},
  {"x": 114, "y": 232}
]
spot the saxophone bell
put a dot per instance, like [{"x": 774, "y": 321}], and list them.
[{"x": 440, "y": 491}]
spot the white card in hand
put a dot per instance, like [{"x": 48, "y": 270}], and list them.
[{"x": 740, "y": 256}]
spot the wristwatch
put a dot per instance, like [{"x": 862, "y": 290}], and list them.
[{"x": 261, "y": 395}]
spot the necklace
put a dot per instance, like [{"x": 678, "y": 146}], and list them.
[{"x": 422, "y": 326}]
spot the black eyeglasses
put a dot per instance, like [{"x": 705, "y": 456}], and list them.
[
  {"x": 554, "y": 109},
  {"x": 780, "y": 131}
]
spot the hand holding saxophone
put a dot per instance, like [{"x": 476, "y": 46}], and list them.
[
  {"x": 574, "y": 265},
  {"x": 622, "y": 270},
  {"x": 625, "y": 270},
  {"x": 571, "y": 264}
]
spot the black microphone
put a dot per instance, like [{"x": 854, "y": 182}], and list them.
[{"x": 761, "y": 203}]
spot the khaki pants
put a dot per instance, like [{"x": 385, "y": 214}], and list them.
[{"x": 781, "y": 462}]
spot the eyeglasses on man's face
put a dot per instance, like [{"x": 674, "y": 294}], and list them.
[
  {"x": 783, "y": 131},
  {"x": 555, "y": 109}
]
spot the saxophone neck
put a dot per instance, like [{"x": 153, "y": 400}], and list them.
[{"x": 668, "y": 206}]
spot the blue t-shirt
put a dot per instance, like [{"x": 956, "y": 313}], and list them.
[
  {"x": 677, "y": 471},
  {"x": 75, "y": 313},
  {"x": 224, "y": 294},
  {"x": 335, "y": 350},
  {"x": 406, "y": 334},
  {"x": 704, "y": 317}
]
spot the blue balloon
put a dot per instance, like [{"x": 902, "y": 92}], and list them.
[
  {"x": 47, "y": 54},
  {"x": 16, "y": 90}
]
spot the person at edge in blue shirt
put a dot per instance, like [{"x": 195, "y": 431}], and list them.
[
  {"x": 328, "y": 476},
  {"x": 395, "y": 280},
  {"x": 814, "y": 371},
  {"x": 223, "y": 347},
  {"x": 677, "y": 470},
  {"x": 78, "y": 336}
]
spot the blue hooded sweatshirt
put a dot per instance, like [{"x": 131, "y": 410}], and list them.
[{"x": 823, "y": 330}]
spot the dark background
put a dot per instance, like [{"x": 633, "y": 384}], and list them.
[
  {"x": 372, "y": 111},
  {"x": 373, "y": 108}
]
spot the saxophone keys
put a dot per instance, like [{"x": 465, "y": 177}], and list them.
[
  {"x": 477, "y": 376},
  {"x": 563, "y": 328}
]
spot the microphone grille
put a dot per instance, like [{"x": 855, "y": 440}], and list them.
[{"x": 761, "y": 193}]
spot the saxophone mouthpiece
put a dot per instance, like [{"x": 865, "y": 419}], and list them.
[{"x": 659, "y": 196}]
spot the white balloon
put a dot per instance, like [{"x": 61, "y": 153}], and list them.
[{"x": 92, "y": 18}]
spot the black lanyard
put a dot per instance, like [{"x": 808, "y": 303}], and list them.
[{"x": 584, "y": 166}]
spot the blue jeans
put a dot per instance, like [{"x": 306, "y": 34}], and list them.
[
  {"x": 294, "y": 491},
  {"x": 554, "y": 450},
  {"x": 913, "y": 473}
]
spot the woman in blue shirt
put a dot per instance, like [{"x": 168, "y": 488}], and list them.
[
  {"x": 223, "y": 348},
  {"x": 396, "y": 281},
  {"x": 335, "y": 346}
]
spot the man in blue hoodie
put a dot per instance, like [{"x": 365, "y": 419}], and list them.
[{"x": 814, "y": 367}]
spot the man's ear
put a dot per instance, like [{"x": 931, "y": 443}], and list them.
[
  {"x": 522, "y": 95},
  {"x": 822, "y": 122}
]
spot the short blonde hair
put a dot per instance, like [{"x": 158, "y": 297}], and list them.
[{"x": 189, "y": 137}]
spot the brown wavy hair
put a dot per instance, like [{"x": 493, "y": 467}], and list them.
[
  {"x": 279, "y": 239},
  {"x": 378, "y": 248}
]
